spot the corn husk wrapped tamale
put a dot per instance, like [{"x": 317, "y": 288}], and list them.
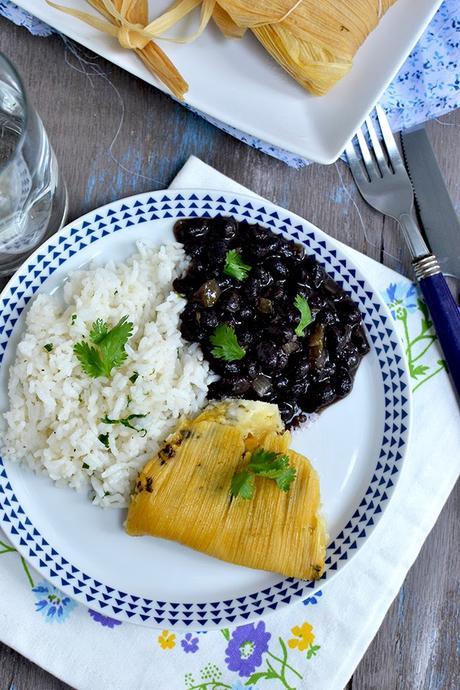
[
  {"x": 183, "y": 494},
  {"x": 314, "y": 41}
]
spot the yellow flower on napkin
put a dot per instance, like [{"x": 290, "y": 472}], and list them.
[
  {"x": 167, "y": 640},
  {"x": 305, "y": 635}
]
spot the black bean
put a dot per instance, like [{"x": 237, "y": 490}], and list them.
[
  {"x": 348, "y": 311},
  {"x": 250, "y": 289},
  {"x": 319, "y": 396},
  {"x": 235, "y": 385},
  {"x": 246, "y": 338},
  {"x": 317, "y": 302},
  {"x": 230, "y": 301},
  {"x": 318, "y": 275},
  {"x": 349, "y": 357},
  {"x": 261, "y": 277},
  {"x": 277, "y": 267},
  {"x": 217, "y": 252},
  {"x": 359, "y": 340},
  {"x": 227, "y": 229},
  {"x": 209, "y": 319},
  {"x": 281, "y": 383},
  {"x": 225, "y": 282},
  {"x": 246, "y": 313},
  {"x": 183, "y": 286},
  {"x": 271, "y": 356},
  {"x": 299, "y": 366},
  {"x": 253, "y": 369},
  {"x": 288, "y": 411},
  {"x": 191, "y": 229},
  {"x": 281, "y": 333},
  {"x": 342, "y": 382},
  {"x": 328, "y": 316},
  {"x": 338, "y": 337},
  {"x": 299, "y": 387},
  {"x": 224, "y": 368},
  {"x": 331, "y": 286}
]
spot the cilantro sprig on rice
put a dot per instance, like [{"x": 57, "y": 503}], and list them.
[{"x": 108, "y": 350}]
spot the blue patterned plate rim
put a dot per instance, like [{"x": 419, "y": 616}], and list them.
[{"x": 171, "y": 205}]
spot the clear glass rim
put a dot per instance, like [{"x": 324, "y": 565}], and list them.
[{"x": 20, "y": 142}]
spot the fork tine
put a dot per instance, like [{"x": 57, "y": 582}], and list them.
[
  {"x": 378, "y": 151},
  {"x": 355, "y": 166},
  {"x": 368, "y": 162},
  {"x": 388, "y": 138}
]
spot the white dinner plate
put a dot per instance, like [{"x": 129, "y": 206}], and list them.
[
  {"x": 357, "y": 444},
  {"x": 237, "y": 82}
]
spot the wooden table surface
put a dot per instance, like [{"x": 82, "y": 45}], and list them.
[{"x": 114, "y": 136}]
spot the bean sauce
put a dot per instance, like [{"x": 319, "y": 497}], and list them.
[{"x": 302, "y": 374}]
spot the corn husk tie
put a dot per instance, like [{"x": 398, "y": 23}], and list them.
[{"x": 127, "y": 21}]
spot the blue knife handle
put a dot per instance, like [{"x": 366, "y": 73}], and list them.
[{"x": 446, "y": 319}]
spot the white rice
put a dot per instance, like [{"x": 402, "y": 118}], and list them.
[{"x": 55, "y": 410}]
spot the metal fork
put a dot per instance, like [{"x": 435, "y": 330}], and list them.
[{"x": 383, "y": 182}]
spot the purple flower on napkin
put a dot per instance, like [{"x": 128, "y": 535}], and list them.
[
  {"x": 245, "y": 648},
  {"x": 399, "y": 296},
  {"x": 54, "y": 606},
  {"x": 189, "y": 644},
  {"x": 313, "y": 599},
  {"x": 106, "y": 621}
]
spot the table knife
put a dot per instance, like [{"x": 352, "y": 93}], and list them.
[{"x": 437, "y": 214}]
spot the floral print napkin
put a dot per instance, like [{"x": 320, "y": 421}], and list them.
[
  {"x": 426, "y": 87},
  {"x": 314, "y": 643}
]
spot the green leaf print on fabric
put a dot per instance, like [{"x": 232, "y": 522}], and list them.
[
  {"x": 210, "y": 679},
  {"x": 403, "y": 300},
  {"x": 313, "y": 650},
  {"x": 6, "y": 548}
]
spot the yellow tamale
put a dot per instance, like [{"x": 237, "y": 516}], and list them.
[
  {"x": 183, "y": 494},
  {"x": 314, "y": 41}
]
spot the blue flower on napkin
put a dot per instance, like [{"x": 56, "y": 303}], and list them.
[
  {"x": 245, "y": 649},
  {"x": 313, "y": 599},
  {"x": 54, "y": 606},
  {"x": 106, "y": 621},
  {"x": 189, "y": 644},
  {"x": 400, "y": 296}
]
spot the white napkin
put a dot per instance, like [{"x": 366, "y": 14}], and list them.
[{"x": 325, "y": 637}]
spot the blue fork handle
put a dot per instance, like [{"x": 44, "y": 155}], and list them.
[{"x": 446, "y": 319}]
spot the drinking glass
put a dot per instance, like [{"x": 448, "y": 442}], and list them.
[{"x": 33, "y": 195}]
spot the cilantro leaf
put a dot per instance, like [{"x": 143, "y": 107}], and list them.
[
  {"x": 134, "y": 377},
  {"x": 48, "y": 347},
  {"x": 243, "y": 485},
  {"x": 226, "y": 345},
  {"x": 104, "y": 439},
  {"x": 110, "y": 352},
  {"x": 285, "y": 479},
  {"x": 126, "y": 421},
  {"x": 267, "y": 464},
  {"x": 113, "y": 343},
  {"x": 306, "y": 318},
  {"x": 90, "y": 359},
  {"x": 235, "y": 266},
  {"x": 98, "y": 331}
]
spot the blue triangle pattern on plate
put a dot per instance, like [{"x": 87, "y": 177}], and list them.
[{"x": 395, "y": 408}]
